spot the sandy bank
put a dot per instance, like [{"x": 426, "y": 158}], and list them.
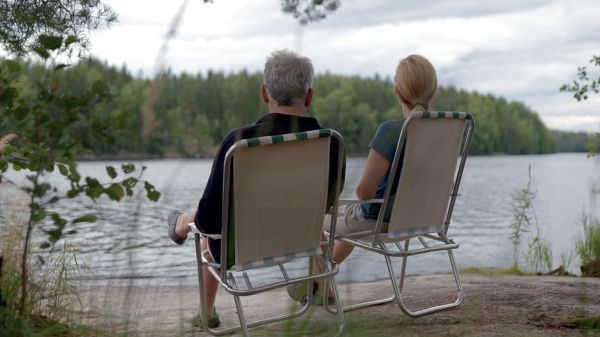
[{"x": 493, "y": 306}]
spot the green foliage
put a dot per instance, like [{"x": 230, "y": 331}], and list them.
[
  {"x": 572, "y": 141},
  {"x": 539, "y": 255},
  {"x": 54, "y": 125},
  {"x": 39, "y": 25},
  {"x": 522, "y": 205},
  {"x": 193, "y": 113},
  {"x": 593, "y": 145},
  {"x": 584, "y": 84},
  {"x": 581, "y": 89},
  {"x": 513, "y": 270},
  {"x": 588, "y": 242},
  {"x": 306, "y": 11}
]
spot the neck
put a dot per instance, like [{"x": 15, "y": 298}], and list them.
[{"x": 288, "y": 110}]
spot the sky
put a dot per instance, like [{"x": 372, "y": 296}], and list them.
[{"x": 519, "y": 49}]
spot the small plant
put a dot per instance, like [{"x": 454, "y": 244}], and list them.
[
  {"x": 539, "y": 255},
  {"x": 566, "y": 260},
  {"x": 522, "y": 205},
  {"x": 588, "y": 245}
]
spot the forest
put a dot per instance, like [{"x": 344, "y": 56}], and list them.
[{"x": 187, "y": 115}]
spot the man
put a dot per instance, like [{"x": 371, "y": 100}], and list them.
[{"x": 288, "y": 93}]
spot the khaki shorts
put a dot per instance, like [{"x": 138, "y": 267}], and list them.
[{"x": 351, "y": 221}]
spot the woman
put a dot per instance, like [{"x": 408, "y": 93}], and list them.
[{"x": 415, "y": 85}]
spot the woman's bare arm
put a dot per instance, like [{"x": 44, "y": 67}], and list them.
[{"x": 375, "y": 169}]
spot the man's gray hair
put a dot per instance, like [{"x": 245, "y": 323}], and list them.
[{"x": 288, "y": 76}]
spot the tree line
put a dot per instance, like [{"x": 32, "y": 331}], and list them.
[{"x": 189, "y": 114}]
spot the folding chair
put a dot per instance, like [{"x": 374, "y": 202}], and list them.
[
  {"x": 274, "y": 201},
  {"x": 431, "y": 144}
]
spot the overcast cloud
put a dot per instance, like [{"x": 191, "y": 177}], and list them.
[{"x": 520, "y": 49}]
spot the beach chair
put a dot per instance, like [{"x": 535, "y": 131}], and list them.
[
  {"x": 434, "y": 147},
  {"x": 275, "y": 192}
]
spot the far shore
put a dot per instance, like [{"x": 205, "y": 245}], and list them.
[
  {"x": 493, "y": 306},
  {"x": 147, "y": 157}
]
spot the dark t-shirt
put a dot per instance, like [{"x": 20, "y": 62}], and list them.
[
  {"x": 385, "y": 142},
  {"x": 208, "y": 215}
]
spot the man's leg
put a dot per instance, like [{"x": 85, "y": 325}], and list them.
[
  {"x": 182, "y": 229},
  {"x": 210, "y": 284}
]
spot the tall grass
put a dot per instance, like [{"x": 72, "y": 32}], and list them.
[
  {"x": 588, "y": 245},
  {"x": 51, "y": 295}
]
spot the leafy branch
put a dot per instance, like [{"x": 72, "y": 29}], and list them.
[{"x": 54, "y": 128}]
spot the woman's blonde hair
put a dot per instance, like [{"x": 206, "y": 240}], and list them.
[{"x": 416, "y": 83}]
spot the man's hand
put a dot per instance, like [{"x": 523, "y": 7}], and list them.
[{"x": 6, "y": 139}]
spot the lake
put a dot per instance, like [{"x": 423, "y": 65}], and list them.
[{"x": 129, "y": 241}]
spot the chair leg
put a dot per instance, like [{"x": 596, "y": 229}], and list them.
[
  {"x": 338, "y": 306},
  {"x": 430, "y": 310},
  {"x": 240, "y": 311}
]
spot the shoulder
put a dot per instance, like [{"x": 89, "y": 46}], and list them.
[
  {"x": 389, "y": 129},
  {"x": 392, "y": 125}
]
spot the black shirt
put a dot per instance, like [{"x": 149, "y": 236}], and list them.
[{"x": 208, "y": 215}]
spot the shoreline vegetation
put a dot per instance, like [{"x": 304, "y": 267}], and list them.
[
  {"x": 187, "y": 115},
  {"x": 147, "y": 157}
]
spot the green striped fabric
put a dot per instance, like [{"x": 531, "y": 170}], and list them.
[
  {"x": 442, "y": 114},
  {"x": 290, "y": 137}
]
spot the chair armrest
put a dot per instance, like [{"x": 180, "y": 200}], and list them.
[
  {"x": 196, "y": 231},
  {"x": 356, "y": 201}
]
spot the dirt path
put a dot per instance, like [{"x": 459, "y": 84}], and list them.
[{"x": 493, "y": 306}]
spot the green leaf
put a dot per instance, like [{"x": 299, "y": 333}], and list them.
[
  {"x": 50, "y": 167},
  {"x": 115, "y": 192},
  {"x": 54, "y": 234},
  {"x": 75, "y": 176},
  {"x": 92, "y": 182},
  {"x": 58, "y": 220},
  {"x": 94, "y": 192},
  {"x": 63, "y": 170},
  {"x": 3, "y": 165},
  {"x": 38, "y": 215},
  {"x": 44, "y": 245},
  {"x": 61, "y": 66},
  {"x": 151, "y": 193},
  {"x": 70, "y": 40},
  {"x": 72, "y": 193},
  {"x": 128, "y": 168},
  {"x": 41, "y": 189},
  {"x": 42, "y": 52},
  {"x": 111, "y": 171},
  {"x": 85, "y": 218},
  {"x": 12, "y": 66},
  {"x": 50, "y": 42}
]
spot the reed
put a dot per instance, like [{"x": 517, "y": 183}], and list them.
[{"x": 588, "y": 245}]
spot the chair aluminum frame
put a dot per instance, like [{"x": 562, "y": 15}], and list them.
[
  {"x": 226, "y": 278},
  {"x": 402, "y": 244}
]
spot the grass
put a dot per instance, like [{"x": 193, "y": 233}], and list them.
[
  {"x": 51, "y": 290},
  {"x": 588, "y": 246},
  {"x": 513, "y": 270}
]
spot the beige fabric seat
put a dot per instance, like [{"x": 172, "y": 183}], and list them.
[
  {"x": 436, "y": 145},
  {"x": 275, "y": 192}
]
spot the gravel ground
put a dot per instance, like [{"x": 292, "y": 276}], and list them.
[{"x": 493, "y": 306}]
